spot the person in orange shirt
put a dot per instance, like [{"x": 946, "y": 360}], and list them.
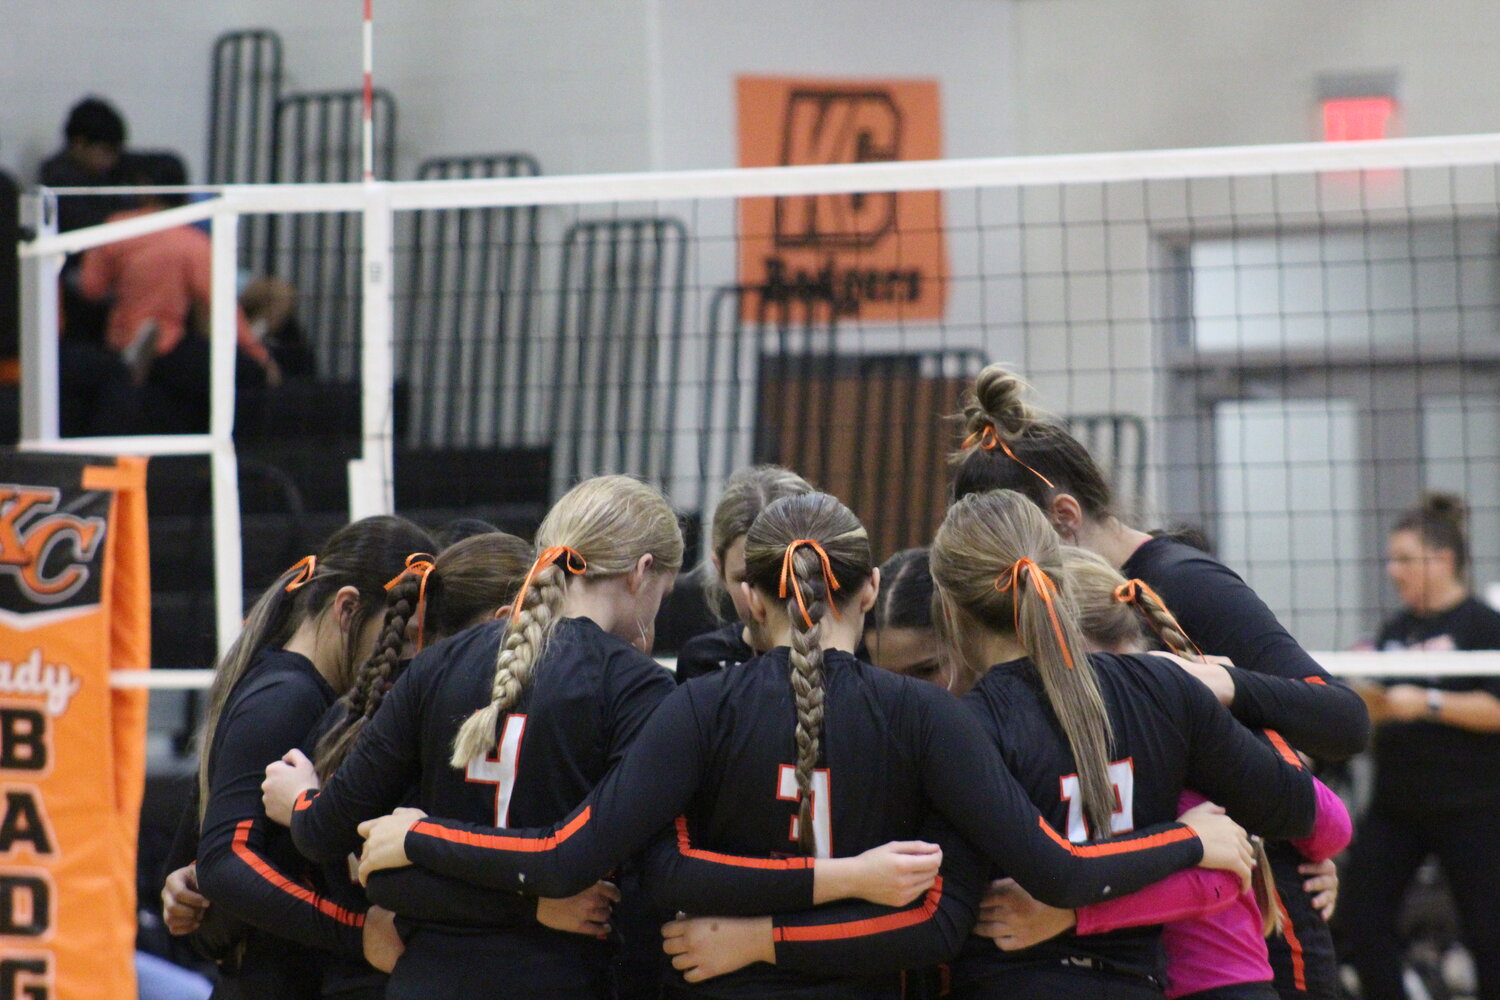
[{"x": 159, "y": 283}]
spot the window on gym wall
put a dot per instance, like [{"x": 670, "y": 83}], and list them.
[{"x": 1320, "y": 378}]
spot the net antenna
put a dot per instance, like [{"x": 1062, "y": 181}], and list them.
[{"x": 367, "y": 124}]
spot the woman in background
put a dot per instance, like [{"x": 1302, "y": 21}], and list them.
[{"x": 1437, "y": 760}]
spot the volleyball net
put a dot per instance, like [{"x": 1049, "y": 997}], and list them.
[{"x": 1280, "y": 347}]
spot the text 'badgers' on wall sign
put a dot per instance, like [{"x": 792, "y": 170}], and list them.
[{"x": 874, "y": 256}]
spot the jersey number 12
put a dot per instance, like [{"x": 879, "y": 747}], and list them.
[
  {"x": 1122, "y": 776},
  {"x": 498, "y": 767}
]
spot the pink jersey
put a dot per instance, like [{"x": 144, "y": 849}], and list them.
[{"x": 1212, "y": 934}]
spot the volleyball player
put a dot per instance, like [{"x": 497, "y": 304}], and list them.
[
  {"x": 746, "y": 493},
  {"x": 1214, "y": 937},
  {"x": 1276, "y": 686},
  {"x": 518, "y": 722},
  {"x": 797, "y": 751},
  {"x": 297, "y": 652},
  {"x": 901, "y": 637}
]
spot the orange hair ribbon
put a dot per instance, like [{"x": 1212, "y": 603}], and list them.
[
  {"x": 989, "y": 439},
  {"x": 1045, "y": 587},
  {"x": 304, "y": 569},
  {"x": 789, "y": 573},
  {"x": 575, "y": 564},
  {"x": 417, "y": 564},
  {"x": 1129, "y": 592}
]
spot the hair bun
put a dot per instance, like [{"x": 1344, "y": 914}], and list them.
[
  {"x": 1448, "y": 506},
  {"x": 998, "y": 400}
]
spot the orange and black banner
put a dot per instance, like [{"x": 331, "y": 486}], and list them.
[
  {"x": 74, "y": 605},
  {"x": 872, "y": 256}
]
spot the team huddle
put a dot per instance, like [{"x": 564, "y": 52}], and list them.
[{"x": 1047, "y": 756}]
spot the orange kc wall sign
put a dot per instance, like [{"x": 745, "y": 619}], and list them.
[{"x": 869, "y": 256}]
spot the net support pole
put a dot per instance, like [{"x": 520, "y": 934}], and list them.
[
  {"x": 39, "y": 326},
  {"x": 223, "y": 464},
  {"x": 372, "y": 475}
]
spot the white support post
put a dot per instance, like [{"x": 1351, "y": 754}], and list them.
[
  {"x": 229, "y": 599},
  {"x": 39, "y": 332},
  {"x": 372, "y": 488}
]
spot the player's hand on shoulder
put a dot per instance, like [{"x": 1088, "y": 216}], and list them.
[
  {"x": 1213, "y": 671},
  {"x": 385, "y": 841},
  {"x": 286, "y": 779}
]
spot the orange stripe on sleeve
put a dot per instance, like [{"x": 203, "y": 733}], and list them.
[
  {"x": 494, "y": 842},
  {"x": 1299, "y": 965},
  {"x": 872, "y": 925},
  {"x": 304, "y": 799},
  {"x": 686, "y": 849},
  {"x": 324, "y": 906},
  {"x": 1282, "y": 747},
  {"x": 1315, "y": 680},
  {"x": 1109, "y": 847}
]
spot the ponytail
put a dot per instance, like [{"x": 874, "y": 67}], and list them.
[
  {"x": 362, "y": 555},
  {"x": 265, "y": 624},
  {"x": 804, "y": 549},
  {"x": 599, "y": 528},
  {"x": 990, "y": 561},
  {"x": 1153, "y": 609},
  {"x": 1267, "y": 897}
]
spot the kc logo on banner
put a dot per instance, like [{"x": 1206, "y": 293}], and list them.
[
  {"x": 871, "y": 256},
  {"x": 74, "y": 605}
]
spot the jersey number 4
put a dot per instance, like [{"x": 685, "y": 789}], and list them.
[
  {"x": 822, "y": 810},
  {"x": 1122, "y": 776},
  {"x": 498, "y": 767}
]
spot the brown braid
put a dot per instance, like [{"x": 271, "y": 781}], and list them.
[
  {"x": 372, "y": 681},
  {"x": 807, "y": 686}
]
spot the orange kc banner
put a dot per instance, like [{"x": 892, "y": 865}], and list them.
[
  {"x": 866, "y": 256},
  {"x": 74, "y": 605}
]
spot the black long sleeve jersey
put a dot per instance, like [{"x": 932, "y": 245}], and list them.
[
  {"x": 1170, "y": 733},
  {"x": 713, "y": 651},
  {"x": 718, "y": 758},
  {"x": 588, "y": 698},
  {"x": 415, "y": 894},
  {"x": 1276, "y": 686},
  {"x": 247, "y": 865}
]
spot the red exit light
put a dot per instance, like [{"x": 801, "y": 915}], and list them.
[{"x": 1351, "y": 118}]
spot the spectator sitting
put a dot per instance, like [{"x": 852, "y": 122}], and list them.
[
  {"x": 158, "y": 282},
  {"x": 93, "y": 156}
]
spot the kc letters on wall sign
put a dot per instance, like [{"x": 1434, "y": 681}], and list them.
[
  {"x": 867, "y": 256},
  {"x": 74, "y": 605}
]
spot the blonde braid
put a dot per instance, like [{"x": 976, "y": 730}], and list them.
[
  {"x": 519, "y": 653},
  {"x": 807, "y": 685}
]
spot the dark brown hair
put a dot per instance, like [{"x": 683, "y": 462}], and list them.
[
  {"x": 468, "y": 582},
  {"x": 363, "y": 555},
  {"x": 1441, "y": 519},
  {"x": 1039, "y": 447}
]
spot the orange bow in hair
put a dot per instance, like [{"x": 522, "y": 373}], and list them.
[
  {"x": 1130, "y": 591},
  {"x": 417, "y": 564},
  {"x": 304, "y": 569},
  {"x": 575, "y": 564},
  {"x": 989, "y": 439},
  {"x": 789, "y": 573},
  {"x": 1045, "y": 587}
]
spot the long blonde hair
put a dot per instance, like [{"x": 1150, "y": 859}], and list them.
[
  {"x": 600, "y": 528},
  {"x": 1113, "y": 613},
  {"x": 798, "y": 533},
  {"x": 996, "y": 560}
]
